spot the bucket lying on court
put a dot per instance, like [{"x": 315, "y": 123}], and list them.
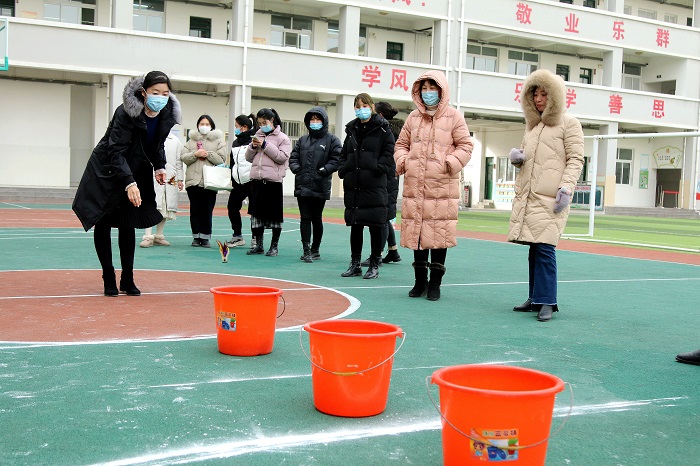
[
  {"x": 245, "y": 319},
  {"x": 351, "y": 365},
  {"x": 495, "y": 413}
]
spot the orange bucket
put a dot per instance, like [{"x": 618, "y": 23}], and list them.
[
  {"x": 245, "y": 319},
  {"x": 351, "y": 365},
  {"x": 495, "y": 413}
]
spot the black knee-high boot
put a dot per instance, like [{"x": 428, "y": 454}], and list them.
[
  {"x": 127, "y": 244},
  {"x": 103, "y": 247},
  {"x": 420, "y": 269},
  {"x": 437, "y": 271}
]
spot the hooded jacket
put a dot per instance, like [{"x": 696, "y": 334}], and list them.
[
  {"x": 213, "y": 143},
  {"x": 270, "y": 160},
  {"x": 430, "y": 153},
  {"x": 167, "y": 194},
  {"x": 365, "y": 165},
  {"x": 313, "y": 151},
  {"x": 121, "y": 153},
  {"x": 553, "y": 148}
]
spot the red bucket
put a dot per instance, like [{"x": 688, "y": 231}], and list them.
[{"x": 245, "y": 319}]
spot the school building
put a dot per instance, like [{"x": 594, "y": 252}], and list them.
[{"x": 631, "y": 67}]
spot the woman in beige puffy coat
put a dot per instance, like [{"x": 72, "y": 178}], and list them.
[
  {"x": 206, "y": 147},
  {"x": 550, "y": 161},
  {"x": 433, "y": 147}
]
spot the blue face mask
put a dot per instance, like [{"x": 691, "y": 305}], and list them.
[
  {"x": 315, "y": 126},
  {"x": 430, "y": 97},
  {"x": 237, "y": 131},
  {"x": 266, "y": 129},
  {"x": 363, "y": 113},
  {"x": 156, "y": 102}
]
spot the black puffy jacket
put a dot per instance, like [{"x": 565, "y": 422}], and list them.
[
  {"x": 367, "y": 161},
  {"x": 318, "y": 149}
]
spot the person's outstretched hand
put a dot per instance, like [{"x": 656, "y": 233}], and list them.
[
  {"x": 517, "y": 156},
  {"x": 562, "y": 200}
]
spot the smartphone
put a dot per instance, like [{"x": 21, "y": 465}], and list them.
[{"x": 257, "y": 139}]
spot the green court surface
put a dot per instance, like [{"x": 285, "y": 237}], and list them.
[{"x": 622, "y": 322}]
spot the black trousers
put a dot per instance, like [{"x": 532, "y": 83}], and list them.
[
  {"x": 202, "y": 203},
  {"x": 235, "y": 202},
  {"x": 311, "y": 213},
  {"x": 376, "y": 239},
  {"x": 103, "y": 246},
  {"x": 389, "y": 235},
  {"x": 437, "y": 256}
]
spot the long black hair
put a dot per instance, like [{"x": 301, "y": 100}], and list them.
[
  {"x": 270, "y": 114},
  {"x": 207, "y": 117},
  {"x": 247, "y": 120}
]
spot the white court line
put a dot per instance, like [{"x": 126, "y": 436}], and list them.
[
  {"x": 16, "y": 205},
  {"x": 289, "y": 442}
]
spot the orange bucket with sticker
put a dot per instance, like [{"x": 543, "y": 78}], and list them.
[
  {"x": 495, "y": 414},
  {"x": 351, "y": 365},
  {"x": 245, "y": 319}
]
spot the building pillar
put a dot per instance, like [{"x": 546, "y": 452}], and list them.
[
  {"x": 607, "y": 158},
  {"x": 117, "y": 83},
  {"x": 612, "y": 68},
  {"x": 440, "y": 43},
  {"x": 238, "y": 104},
  {"x": 617, "y": 6},
  {"x": 696, "y": 13},
  {"x": 238, "y": 21},
  {"x": 122, "y": 14},
  {"x": 349, "y": 33}
]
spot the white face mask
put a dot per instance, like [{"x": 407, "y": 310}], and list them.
[{"x": 204, "y": 129}]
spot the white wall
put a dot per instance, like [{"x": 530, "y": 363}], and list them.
[{"x": 34, "y": 141}]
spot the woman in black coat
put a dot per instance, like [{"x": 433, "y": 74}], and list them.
[
  {"x": 367, "y": 161},
  {"x": 313, "y": 160},
  {"x": 116, "y": 189}
]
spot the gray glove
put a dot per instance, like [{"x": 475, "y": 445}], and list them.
[
  {"x": 517, "y": 156},
  {"x": 562, "y": 200}
]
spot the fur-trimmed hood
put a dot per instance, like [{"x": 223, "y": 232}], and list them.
[
  {"x": 212, "y": 135},
  {"x": 441, "y": 81},
  {"x": 133, "y": 103},
  {"x": 556, "y": 99}
]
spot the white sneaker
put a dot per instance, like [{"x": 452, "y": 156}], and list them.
[
  {"x": 235, "y": 241},
  {"x": 147, "y": 241}
]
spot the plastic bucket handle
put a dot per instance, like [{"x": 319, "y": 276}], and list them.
[
  {"x": 345, "y": 374},
  {"x": 284, "y": 308},
  {"x": 485, "y": 441}
]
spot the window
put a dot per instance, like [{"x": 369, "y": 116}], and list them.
[
  {"x": 522, "y": 63},
  {"x": 200, "y": 27},
  {"x": 333, "y": 33},
  {"x": 627, "y": 10},
  {"x": 292, "y": 32},
  {"x": 631, "y": 76},
  {"x": 671, "y": 19},
  {"x": 563, "y": 71},
  {"x": 74, "y": 12},
  {"x": 586, "y": 76},
  {"x": 689, "y": 22},
  {"x": 482, "y": 58},
  {"x": 394, "y": 51},
  {"x": 589, "y": 3},
  {"x": 506, "y": 171},
  {"x": 7, "y": 7},
  {"x": 570, "y": 2},
  {"x": 649, "y": 14},
  {"x": 149, "y": 15},
  {"x": 623, "y": 166}
]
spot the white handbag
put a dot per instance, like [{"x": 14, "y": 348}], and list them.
[{"x": 217, "y": 178}]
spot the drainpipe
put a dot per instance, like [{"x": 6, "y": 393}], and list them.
[
  {"x": 461, "y": 55},
  {"x": 448, "y": 39},
  {"x": 244, "y": 67}
]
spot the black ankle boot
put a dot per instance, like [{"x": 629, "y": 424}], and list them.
[
  {"x": 110, "y": 282},
  {"x": 273, "y": 249},
  {"x": 524, "y": 307},
  {"x": 420, "y": 269},
  {"x": 391, "y": 256},
  {"x": 126, "y": 284},
  {"x": 315, "y": 254},
  {"x": 373, "y": 270},
  {"x": 256, "y": 246},
  {"x": 437, "y": 271},
  {"x": 306, "y": 257},
  {"x": 355, "y": 269}
]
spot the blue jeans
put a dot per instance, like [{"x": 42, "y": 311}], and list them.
[{"x": 543, "y": 274}]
